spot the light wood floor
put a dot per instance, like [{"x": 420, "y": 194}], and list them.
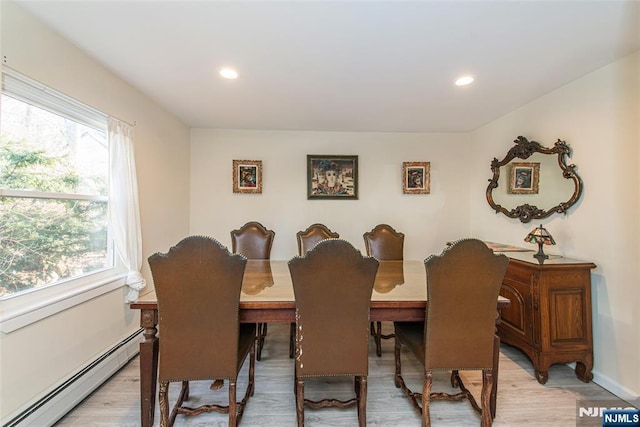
[{"x": 521, "y": 400}]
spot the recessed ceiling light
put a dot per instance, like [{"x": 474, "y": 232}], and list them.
[
  {"x": 464, "y": 80},
  {"x": 229, "y": 73}
]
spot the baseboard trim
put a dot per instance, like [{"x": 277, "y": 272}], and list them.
[
  {"x": 615, "y": 387},
  {"x": 610, "y": 385},
  {"x": 56, "y": 403}
]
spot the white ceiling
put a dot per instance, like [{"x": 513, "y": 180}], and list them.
[{"x": 346, "y": 66}]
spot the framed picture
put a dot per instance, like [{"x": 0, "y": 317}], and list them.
[
  {"x": 247, "y": 176},
  {"x": 332, "y": 177},
  {"x": 524, "y": 178},
  {"x": 416, "y": 177}
]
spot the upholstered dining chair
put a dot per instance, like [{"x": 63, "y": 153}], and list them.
[
  {"x": 332, "y": 284},
  {"x": 315, "y": 233},
  {"x": 459, "y": 328},
  {"x": 385, "y": 244},
  {"x": 254, "y": 241},
  {"x": 307, "y": 239},
  {"x": 198, "y": 285}
]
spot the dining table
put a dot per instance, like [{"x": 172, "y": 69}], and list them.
[{"x": 399, "y": 294}]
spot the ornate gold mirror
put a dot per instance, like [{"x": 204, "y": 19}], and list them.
[{"x": 533, "y": 181}]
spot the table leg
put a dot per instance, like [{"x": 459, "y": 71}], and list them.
[{"x": 148, "y": 366}]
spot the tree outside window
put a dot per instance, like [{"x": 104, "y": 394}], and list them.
[{"x": 53, "y": 198}]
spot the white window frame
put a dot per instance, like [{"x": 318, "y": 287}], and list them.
[{"x": 27, "y": 307}]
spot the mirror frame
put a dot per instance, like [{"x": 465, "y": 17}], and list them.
[{"x": 522, "y": 150}]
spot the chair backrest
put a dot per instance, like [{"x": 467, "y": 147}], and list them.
[
  {"x": 315, "y": 233},
  {"x": 198, "y": 285},
  {"x": 384, "y": 243},
  {"x": 253, "y": 241},
  {"x": 332, "y": 284},
  {"x": 462, "y": 292}
]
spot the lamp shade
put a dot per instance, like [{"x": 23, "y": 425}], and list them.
[{"x": 541, "y": 236}]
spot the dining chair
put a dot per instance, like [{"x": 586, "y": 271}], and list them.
[
  {"x": 254, "y": 241},
  {"x": 198, "y": 284},
  {"x": 307, "y": 239},
  {"x": 332, "y": 284},
  {"x": 314, "y": 234},
  {"x": 385, "y": 244},
  {"x": 459, "y": 328}
]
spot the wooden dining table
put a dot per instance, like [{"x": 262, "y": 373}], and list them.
[{"x": 399, "y": 294}]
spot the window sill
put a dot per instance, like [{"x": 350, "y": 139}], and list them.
[{"x": 18, "y": 314}]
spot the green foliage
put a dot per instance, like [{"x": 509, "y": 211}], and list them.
[
  {"x": 29, "y": 169},
  {"x": 45, "y": 240}
]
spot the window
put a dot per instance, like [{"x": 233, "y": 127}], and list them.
[{"x": 54, "y": 180}]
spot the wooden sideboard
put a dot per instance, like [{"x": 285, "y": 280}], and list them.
[{"x": 550, "y": 314}]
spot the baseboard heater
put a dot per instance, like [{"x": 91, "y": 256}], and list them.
[{"x": 63, "y": 398}]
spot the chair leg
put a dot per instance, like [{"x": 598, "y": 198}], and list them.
[
  {"x": 362, "y": 401},
  {"x": 292, "y": 334},
  {"x": 376, "y": 333},
  {"x": 300, "y": 401},
  {"x": 182, "y": 396},
  {"x": 216, "y": 384},
  {"x": 356, "y": 388},
  {"x": 496, "y": 361},
  {"x": 426, "y": 398},
  {"x": 185, "y": 390},
  {"x": 233, "y": 410},
  {"x": 252, "y": 370},
  {"x": 163, "y": 397},
  {"x": 261, "y": 333},
  {"x": 378, "y": 336},
  {"x": 454, "y": 378},
  {"x": 396, "y": 378},
  {"x": 487, "y": 386}
]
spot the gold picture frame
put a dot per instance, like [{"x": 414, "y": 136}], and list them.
[
  {"x": 525, "y": 177},
  {"x": 247, "y": 176},
  {"x": 416, "y": 177}
]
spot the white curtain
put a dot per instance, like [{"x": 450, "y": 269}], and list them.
[{"x": 123, "y": 205}]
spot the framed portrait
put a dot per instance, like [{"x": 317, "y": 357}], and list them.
[
  {"x": 416, "y": 177},
  {"x": 524, "y": 178},
  {"x": 247, "y": 176},
  {"x": 332, "y": 177}
]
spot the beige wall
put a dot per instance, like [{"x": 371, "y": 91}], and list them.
[
  {"x": 34, "y": 358},
  {"x": 599, "y": 117},
  {"x": 428, "y": 221}
]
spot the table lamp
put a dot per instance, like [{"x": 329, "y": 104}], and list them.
[{"x": 540, "y": 236}]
